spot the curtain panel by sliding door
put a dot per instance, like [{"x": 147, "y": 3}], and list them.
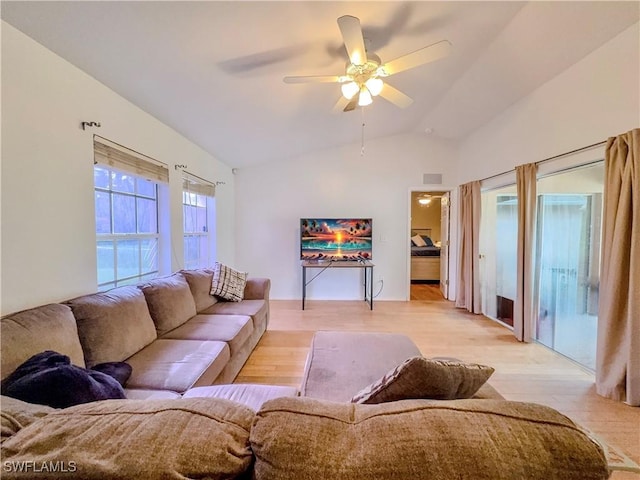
[
  {"x": 523, "y": 317},
  {"x": 468, "y": 293},
  {"x": 618, "y": 349}
]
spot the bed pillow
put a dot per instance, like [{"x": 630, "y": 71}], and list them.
[
  {"x": 418, "y": 241},
  {"x": 419, "y": 377},
  {"x": 427, "y": 240},
  {"x": 228, "y": 283}
]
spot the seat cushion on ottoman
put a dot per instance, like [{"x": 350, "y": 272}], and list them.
[
  {"x": 304, "y": 438},
  {"x": 177, "y": 365},
  {"x": 250, "y": 394},
  {"x": 232, "y": 329},
  {"x": 340, "y": 364}
]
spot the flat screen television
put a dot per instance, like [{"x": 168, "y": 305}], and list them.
[{"x": 335, "y": 239}]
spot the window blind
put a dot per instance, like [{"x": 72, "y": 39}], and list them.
[
  {"x": 194, "y": 184},
  {"x": 121, "y": 158}
]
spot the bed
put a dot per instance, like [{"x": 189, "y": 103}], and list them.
[{"x": 425, "y": 259}]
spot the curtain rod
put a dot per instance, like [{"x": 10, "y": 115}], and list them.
[
  {"x": 204, "y": 180},
  {"x": 551, "y": 158}
]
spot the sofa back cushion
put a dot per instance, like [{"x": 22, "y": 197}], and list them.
[
  {"x": 199, "y": 281},
  {"x": 113, "y": 325},
  {"x": 48, "y": 327},
  {"x": 170, "y": 302},
  {"x": 294, "y": 438},
  {"x": 158, "y": 439}
]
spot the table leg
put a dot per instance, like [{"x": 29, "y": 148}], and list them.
[
  {"x": 371, "y": 287},
  {"x": 304, "y": 285}
]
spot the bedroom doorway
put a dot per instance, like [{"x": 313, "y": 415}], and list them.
[{"x": 429, "y": 242}]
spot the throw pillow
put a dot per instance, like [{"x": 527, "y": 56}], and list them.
[
  {"x": 419, "y": 377},
  {"x": 228, "y": 283},
  {"x": 48, "y": 378},
  {"x": 418, "y": 241}
]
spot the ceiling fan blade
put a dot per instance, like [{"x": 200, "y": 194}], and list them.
[
  {"x": 314, "y": 79},
  {"x": 353, "y": 103},
  {"x": 417, "y": 58},
  {"x": 395, "y": 96},
  {"x": 340, "y": 105},
  {"x": 353, "y": 39}
]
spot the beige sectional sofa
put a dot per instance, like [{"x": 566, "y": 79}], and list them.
[
  {"x": 176, "y": 338},
  {"x": 170, "y": 330}
]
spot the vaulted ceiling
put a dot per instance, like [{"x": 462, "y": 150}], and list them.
[{"x": 213, "y": 70}]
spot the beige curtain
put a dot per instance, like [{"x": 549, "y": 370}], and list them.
[
  {"x": 468, "y": 277},
  {"x": 618, "y": 351},
  {"x": 523, "y": 317}
]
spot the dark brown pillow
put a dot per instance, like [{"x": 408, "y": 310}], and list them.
[{"x": 419, "y": 377}]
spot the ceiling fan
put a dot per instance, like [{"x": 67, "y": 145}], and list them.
[{"x": 364, "y": 71}]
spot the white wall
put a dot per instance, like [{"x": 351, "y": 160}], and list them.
[
  {"x": 271, "y": 199},
  {"x": 594, "y": 99},
  {"x": 48, "y": 226}
]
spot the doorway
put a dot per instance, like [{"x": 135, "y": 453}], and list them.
[{"x": 429, "y": 245}]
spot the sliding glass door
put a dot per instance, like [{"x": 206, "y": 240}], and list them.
[
  {"x": 498, "y": 252},
  {"x": 567, "y": 261}
]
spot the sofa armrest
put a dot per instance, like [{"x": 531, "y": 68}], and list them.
[{"x": 257, "y": 289}]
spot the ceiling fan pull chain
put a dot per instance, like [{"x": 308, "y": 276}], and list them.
[{"x": 362, "y": 139}]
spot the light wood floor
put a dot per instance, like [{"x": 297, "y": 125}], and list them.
[{"x": 524, "y": 372}]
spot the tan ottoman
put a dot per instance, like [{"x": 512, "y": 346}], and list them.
[{"x": 340, "y": 364}]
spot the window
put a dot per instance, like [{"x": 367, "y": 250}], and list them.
[
  {"x": 569, "y": 231},
  {"x": 197, "y": 207},
  {"x": 126, "y": 207},
  {"x": 498, "y": 248}
]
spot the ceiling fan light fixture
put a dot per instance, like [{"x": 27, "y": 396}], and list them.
[
  {"x": 349, "y": 90},
  {"x": 364, "y": 98},
  {"x": 374, "y": 85},
  {"x": 424, "y": 200}
]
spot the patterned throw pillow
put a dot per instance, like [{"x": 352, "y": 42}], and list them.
[
  {"x": 228, "y": 283},
  {"x": 419, "y": 377}
]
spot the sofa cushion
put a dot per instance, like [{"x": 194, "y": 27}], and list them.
[
  {"x": 228, "y": 283},
  {"x": 294, "y": 438},
  {"x": 250, "y": 394},
  {"x": 119, "y": 439},
  {"x": 419, "y": 377},
  {"x": 16, "y": 414},
  {"x": 113, "y": 325},
  {"x": 199, "y": 281},
  {"x": 177, "y": 365},
  {"x": 231, "y": 329},
  {"x": 48, "y": 378},
  {"x": 170, "y": 301},
  {"x": 256, "y": 309},
  {"x": 26, "y": 333},
  {"x": 145, "y": 394}
]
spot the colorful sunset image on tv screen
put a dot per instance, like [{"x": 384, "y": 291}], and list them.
[{"x": 335, "y": 239}]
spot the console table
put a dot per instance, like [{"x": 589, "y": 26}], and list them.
[{"x": 323, "y": 265}]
